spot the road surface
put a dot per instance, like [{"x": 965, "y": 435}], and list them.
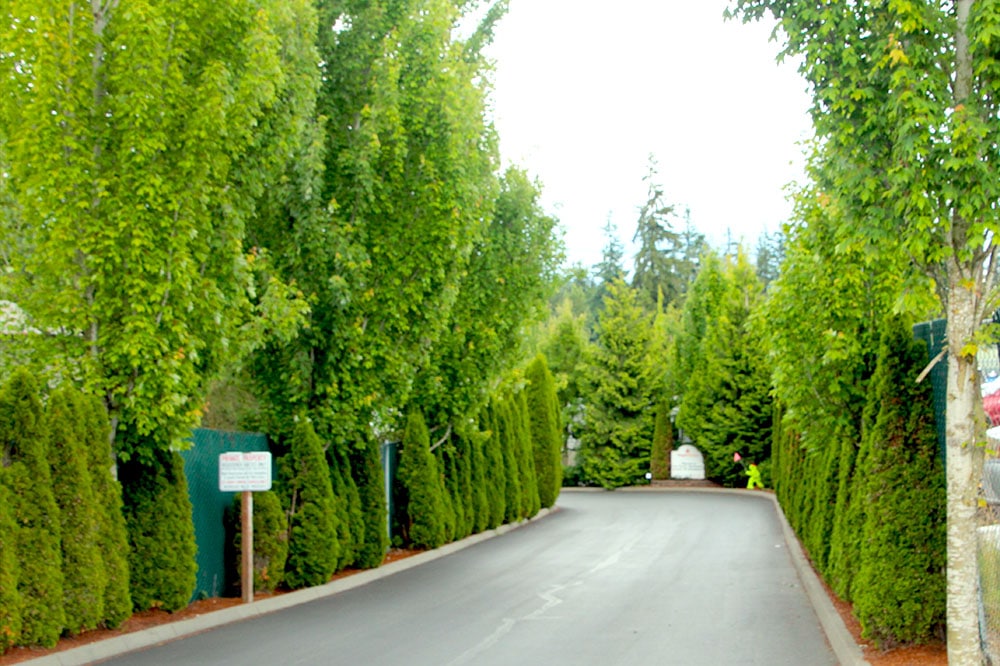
[{"x": 685, "y": 578}]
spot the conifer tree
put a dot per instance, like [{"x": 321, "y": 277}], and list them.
[
  {"x": 371, "y": 497},
  {"x": 513, "y": 506},
  {"x": 24, "y": 442},
  {"x": 313, "y": 548},
  {"x": 10, "y": 598},
  {"x": 623, "y": 382},
  {"x": 424, "y": 525},
  {"x": 112, "y": 534},
  {"x": 84, "y": 578},
  {"x": 270, "y": 540},
  {"x": 663, "y": 442},
  {"x": 162, "y": 566},
  {"x": 546, "y": 433},
  {"x": 525, "y": 451},
  {"x": 481, "y": 478},
  {"x": 900, "y": 588}
]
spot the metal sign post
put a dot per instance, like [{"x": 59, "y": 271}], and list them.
[{"x": 245, "y": 473}]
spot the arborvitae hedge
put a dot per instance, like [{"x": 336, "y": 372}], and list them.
[
  {"x": 112, "y": 535},
  {"x": 24, "y": 442},
  {"x": 495, "y": 468},
  {"x": 270, "y": 540},
  {"x": 163, "y": 570},
  {"x": 313, "y": 548},
  {"x": 900, "y": 587},
  {"x": 10, "y": 598},
  {"x": 663, "y": 442},
  {"x": 844, "y": 553},
  {"x": 84, "y": 578},
  {"x": 509, "y": 446},
  {"x": 424, "y": 522},
  {"x": 526, "y": 455},
  {"x": 371, "y": 492},
  {"x": 480, "y": 479},
  {"x": 546, "y": 431},
  {"x": 350, "y": 527}
]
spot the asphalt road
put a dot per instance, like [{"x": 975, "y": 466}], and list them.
[{"x": 633, "y": 578}]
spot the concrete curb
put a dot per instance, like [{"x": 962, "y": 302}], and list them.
[
  {"x": 841, "y": 640},
  {"x": 138, "y": 640}
]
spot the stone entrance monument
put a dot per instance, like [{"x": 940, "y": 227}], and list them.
[{"x": 687, "y": 462}]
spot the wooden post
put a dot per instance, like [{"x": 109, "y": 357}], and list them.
[{"x": 247, "y": 525}]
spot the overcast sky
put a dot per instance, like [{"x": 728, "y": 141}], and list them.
[{"x": 586, "y": 91}]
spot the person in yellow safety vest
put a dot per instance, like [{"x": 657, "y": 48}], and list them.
[{"x": 754, "y": 481}]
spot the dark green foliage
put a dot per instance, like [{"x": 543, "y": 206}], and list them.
[
  {"x": 546, "y": 432},
  {"x": 270, "y": 540},
  {"x": 424, "y": 508},
  {"x": 480, "y": 476},
  {"x": 371, "y": 494},
  {"x": 844, "y": 553},
  {"x": 160, "y": 531},
  {"x": 509, "y": 446},
  {"x": 24, "y": 449},
  {"x": 822, "y": 484},
  {"x": 496, "y": 466},
  {"x": 84, "y": 578},
  {"x": 111, "y": 532},
  {"x": 10, "y": 598},
  {"x": 624, "y": 379},
  {"x": 350, "y": 521},
  {"x": 899, "y": 595},
  {"x": 313, "y": 548},
  {"x": 526, "y": 455},
  {"x": 663, "y": 442}
]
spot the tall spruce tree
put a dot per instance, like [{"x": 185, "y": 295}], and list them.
[
  {"x": 654, "y": 266},
  {"x": 25, "y": 452},
  {"x": 623, "y": 382}
]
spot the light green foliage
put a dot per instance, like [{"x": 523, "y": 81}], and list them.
[
  {"x": 10, "y": 597},
  {"x": 313, "y": 548},
  {"x": 565, "y": 348},
  {"x": 84, "y": 578},
  {"x": 726, "y": 407},
  {"x": 900, "y": 588},
  {"x": 131, "y": 133},
  {"x": 623, "y": 382},
  {"x": 112, "y": 536},
  {"x": 546, "y": 433},
  {"x": 24, "y": 450},
  {"x": 663, "y": 442},
  {"x": 270, "y": 540},
  {"x": 419, "y": 477},
  {"x": 161, "y": 534}
]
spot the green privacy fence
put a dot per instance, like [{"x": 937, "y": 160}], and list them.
[
  {"x": 932, "y": 332},
  {"x": 201, "y": 466}
]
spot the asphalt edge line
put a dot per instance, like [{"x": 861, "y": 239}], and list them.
[{"x": 139, "y": 640}]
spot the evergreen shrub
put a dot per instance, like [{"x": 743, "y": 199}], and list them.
[
  {"x": 270, "y": 540},
  {"x": 424, "y": 507}
]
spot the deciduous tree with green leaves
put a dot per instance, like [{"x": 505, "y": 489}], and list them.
[{"x": 906, "y": 103}]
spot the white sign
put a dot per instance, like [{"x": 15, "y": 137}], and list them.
[
  {"x": 687, "y": 463},
  {"x": 244, "y": 471}
]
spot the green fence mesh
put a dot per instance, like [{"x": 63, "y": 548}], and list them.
[
  {"x": 932, "y": 332},
  {"x": 201, "y": 466}
]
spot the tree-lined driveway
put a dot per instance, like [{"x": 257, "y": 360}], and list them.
[{"x": 634, "y": 578}]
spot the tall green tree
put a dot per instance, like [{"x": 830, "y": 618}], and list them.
[
  {"x": 654, "y": 269},
  {"x": 906, "y": 101},
  {"x": 25, "y": 455},
  {"x": 623, "y": 383},
  {"x": 546, "y": 433},
  {"x": 84, "y": 577},
  {"x": 423, "y": 504},
  {"x": 10, "y": 597}
]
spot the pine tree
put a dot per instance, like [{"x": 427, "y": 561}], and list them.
[
  {"x": 546, "y": 433},
  {"x": 24, "y": 442},
  {"x": 623, "y": 381},
  {"x": 313, "y": 548},
  {"x": 162, "y": 566},
  {"x": 84, "y": 578},
  {"x": 112, "y": 533},
  {"x": 424, "y": 508},
  {"x": 900, "y": 588}
]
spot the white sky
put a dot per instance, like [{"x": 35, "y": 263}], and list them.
[{"x": 586, "y": 91}]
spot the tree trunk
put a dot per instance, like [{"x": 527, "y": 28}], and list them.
[{"x": 964, "y": 465}]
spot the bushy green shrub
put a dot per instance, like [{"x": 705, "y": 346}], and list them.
[
  {"x": 663, "y": 442},
  {"x": 496, "y": 470},
  {"x": 112, "y": 535},
  {"x": 270, "y": 540},
  {"x": 900, "y": 588},
  {"x": 24, "y": 442},
  {"x": 370, "y": 482},
  {"x": 350, "y": 530},
  {"x": 84, "y": 578},
  {"x": 157, "y": 508},
  {"x": 10, "y": 598},
  {"x": 509, "y": 446},
  {"x": 424, "y": 524},
  {"x": 546, "y": 430},
  {"x": 313, "y": 548}
]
